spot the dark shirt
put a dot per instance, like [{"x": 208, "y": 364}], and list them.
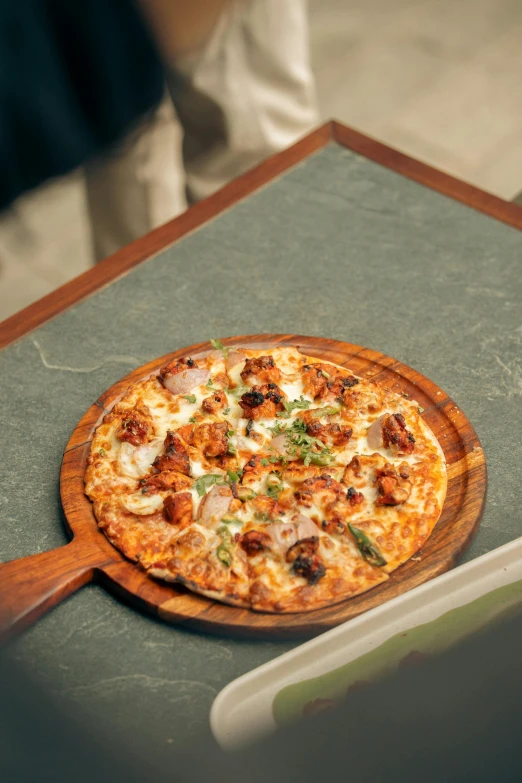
[{"x": 74, "y": 75}]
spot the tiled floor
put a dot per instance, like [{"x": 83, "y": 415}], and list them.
[{"x": 439, "y": 79}]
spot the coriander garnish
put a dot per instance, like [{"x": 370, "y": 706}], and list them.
[
  {"x": 218, "y": 346},
  {"x": 190, "y": 398},
  {"x": 301, "y": 403},
  {"x": 205, "y": 482}
]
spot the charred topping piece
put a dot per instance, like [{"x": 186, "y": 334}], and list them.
[
  {"x": 310, "y": 567},
  {"x": 254, "y": 542},
  {"x": 136, "y": 427},
  {"x": 215, "y": 402},
  {"x": 355, "y": 498},
  {"x": 262, "y": 402},
  {"x": 366, "y": 548},
  {"x": 303, "y": 556},
  {"x": 395, "y": 435},
  {"x": 175, "y": 456},
  {"x": 263, "y": 368},
  {"x": 394, "y": 487},
  {"x": 333, "y": 526}
]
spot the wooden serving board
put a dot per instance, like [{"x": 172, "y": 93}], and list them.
[{"x": 31, "y": 585}]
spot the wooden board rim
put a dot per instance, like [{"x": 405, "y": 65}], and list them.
[{"x": 467, "y": 479}]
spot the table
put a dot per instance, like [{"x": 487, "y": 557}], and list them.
[{"x": 339, "y": 236}]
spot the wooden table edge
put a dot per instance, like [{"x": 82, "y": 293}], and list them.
[{"x": 144, "y": 248}]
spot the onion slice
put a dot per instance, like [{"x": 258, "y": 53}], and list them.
[
  {"x": 233, "y": 358},
  {"x": 374, "y": 433},
  {"x": 280, "y": 444},
  {"x": 215, "y": 504},
  {"x": 284, "y": 535},
  {"x": 186, "y": 380},
  {"x": 306, "y": 528},
  {"x": 135, "y": 462}
]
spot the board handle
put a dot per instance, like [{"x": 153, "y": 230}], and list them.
[{"x": 32, "y": 585}]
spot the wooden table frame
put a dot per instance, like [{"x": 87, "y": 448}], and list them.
[{"x": 160, "y": 238}]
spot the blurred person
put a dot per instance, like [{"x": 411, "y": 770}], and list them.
[
  {"x": 75, "y": 77},
  {"x": 240, "y": 90}
]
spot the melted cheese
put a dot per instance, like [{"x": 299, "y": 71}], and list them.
[{"x": 116, "y": 468}]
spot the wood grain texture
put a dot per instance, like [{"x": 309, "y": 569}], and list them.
[
  {"x": 32, "y": 585},
  {"x": 147, "y": 246},
  {"x": 460, "y": 516},
  {"x": 505, "y": 211}
]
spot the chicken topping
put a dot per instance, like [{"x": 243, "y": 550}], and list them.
[
  {"x": 136, "y": 427},
  {"x": 211, "y": 439},
  {"x": 168, "y": 479},
  {"x": 215, "y": 402},
  {"x": 262, "y": 402},
  {"x": 175, "y": 456},
  {"x": 176, "y": 366},
  {"x": 178, "y": 509},
  {"x": 393, "y": 485},
  {"x": 323, "y": 486},
  {"x": 254, "y": 542},
  {"x": 262, "y": 368},
  {"x": 395, "y": 436},
  {"x": 303, "y": 556}
]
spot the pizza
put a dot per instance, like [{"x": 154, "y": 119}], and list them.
[{"x": 265, "y": 479}]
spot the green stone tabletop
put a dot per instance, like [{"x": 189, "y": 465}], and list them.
[{"x": 337, "y": 247}]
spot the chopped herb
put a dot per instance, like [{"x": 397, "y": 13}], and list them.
[
  {"x": 273, "y": 485},
  {"x": 218, "y": 346},
  {"x": 230, "y": 433},
  {"x": 366, "y": 548},
  {"x": 278, "y": 428},
  {"x": 205, "y": 482},
  {"x": 274, "y": 459},
  {"x": 318, "y": 413},
  {"x": 301, "y": 403},
  {"x": 234, "y": 475},
  {"x": 102, "y": 452},
  {"x": 264, "y": 462},
  {"x": 209, "y": 382},
  {"x": 405, "y": 394},
  {"x": 226, "y": 411},
  {"x": 192, "y": 420},
  {"x": 263, "y": 516},
  {"x": 231, "y": 449},
  {"x": 421, "y": 410},
  {"x": 190, "y": 398},
  {"x": 309, "y": 449}
]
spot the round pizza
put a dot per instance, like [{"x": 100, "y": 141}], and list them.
[{"x": 265, "y": 478}]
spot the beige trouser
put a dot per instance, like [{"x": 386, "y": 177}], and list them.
[{"x": 248, "y": 94}]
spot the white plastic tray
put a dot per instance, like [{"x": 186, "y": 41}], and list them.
[{"x": 243, "y": 710}]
